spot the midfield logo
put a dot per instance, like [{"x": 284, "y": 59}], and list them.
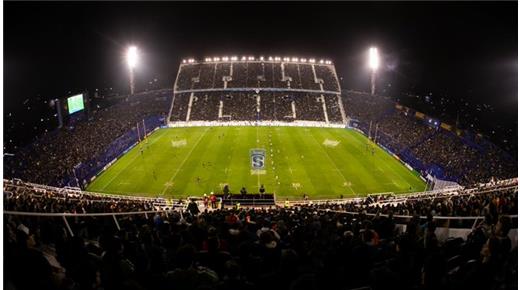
[{"x": 257, "y": 158}]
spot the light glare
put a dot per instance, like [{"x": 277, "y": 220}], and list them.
[
  {"x": 131, "y": 57},
  {"x": 373, "y": 58}
]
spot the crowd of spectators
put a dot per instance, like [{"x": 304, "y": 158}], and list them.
[
  {"x": 461, "y": 161},
  {"x": 307, "y": 78},
  {"x": 252, "y": 106},
  {"x": 333, "y": 108},
  {"x": 205, "y": 106},
  {"x": 410, "y": 132},
  {"x": 53, "y": 156},
  {"x": 283, "y": 248},
  {"x": 179, "y": 108},
  {"x": 256, "y": 74},
  {"x": 309, "y": 107},
  {"x": 19, "y": 196},
  {"x": 461, "y": 204},
  {"x": 327, "y": 75},
  {"x": 206, "y": 77},
  {"x": 240, "y": 106}
]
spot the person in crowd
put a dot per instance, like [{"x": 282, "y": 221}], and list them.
[
  {"x": 193, "y": 208},
  {"x": 213, "y": 200}
]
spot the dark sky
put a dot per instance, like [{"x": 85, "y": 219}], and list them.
[{"x": 466, "y": 49}]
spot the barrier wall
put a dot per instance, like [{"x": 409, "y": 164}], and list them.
[{"x": 255, "y": 123}]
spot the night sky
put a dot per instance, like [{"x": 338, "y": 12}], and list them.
[{"x": 433, "y": 54}]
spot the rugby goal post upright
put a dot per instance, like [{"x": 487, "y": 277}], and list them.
[
  {"x": 138, "y": 135},
  {"x": 144, "y": 130}
]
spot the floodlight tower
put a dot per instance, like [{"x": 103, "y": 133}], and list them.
[
  {"x": 373, "y": 64},
  {"x": 131, "y": 59}
]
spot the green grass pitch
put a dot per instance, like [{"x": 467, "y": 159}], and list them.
[{"x": 322, "y": 162}]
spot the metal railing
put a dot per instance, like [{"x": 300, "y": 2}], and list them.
[{"x": 114, "y": 215}]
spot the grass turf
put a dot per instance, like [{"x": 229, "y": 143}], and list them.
[{"x": 179, "y": 162}]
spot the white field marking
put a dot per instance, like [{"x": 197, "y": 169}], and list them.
[
  {"x": 128, "y": 164},
  {"x": 123, "y": 183},
  {"x": 290, "y": 169},
  {"x": 372, "y": 143},
  {"x": 258, "y": 172},
  {"x": 185, "y": 158},
  {"x": 331, "y": 143},
  {"x": 180, "y": 143},
  {"x": 398, "y": 175},
  {"x": 296, "y": 185},
  {"x": 347, "y": 183},
  {"x": 168, "y": 184},
  {"x": 330, "y": 159}
]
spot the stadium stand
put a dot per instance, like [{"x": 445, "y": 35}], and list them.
[
  {"x": 427, "y": 147},
  {"x": 52, "y": 157},
  {"x": 238, "y": 83},
  {"x": 314, "y": 245},
  {"x": 257, "y": 74}
]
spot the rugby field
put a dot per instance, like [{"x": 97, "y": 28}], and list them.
[{"x": 322, "y": 162}]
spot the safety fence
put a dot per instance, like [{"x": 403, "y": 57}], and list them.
[{"x": 113, "y": 215}]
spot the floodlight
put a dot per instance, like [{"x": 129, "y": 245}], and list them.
[
  {"x": 373, "y": 58},
  {"x": 271, "y": 58},
  {"x": 312, "y": 60},
  {"x": 295, "y": 59},
  {"x": 225, "y": 58},
  {"x": 321, "y": 61},
  {"x": 243, "y": 58},
  {"x": 261, "y": 58},
  {"x": 373, "y": 64},
  {"x": 131, "y": 57}
]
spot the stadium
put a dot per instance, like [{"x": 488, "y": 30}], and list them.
[{"x": 250, "y": 170}]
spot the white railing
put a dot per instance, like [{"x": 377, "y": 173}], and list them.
[
  {"x": 76, "y": 192},
  {"x": 114, "y": 215},
  {"x": 502, "y": 185}
]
